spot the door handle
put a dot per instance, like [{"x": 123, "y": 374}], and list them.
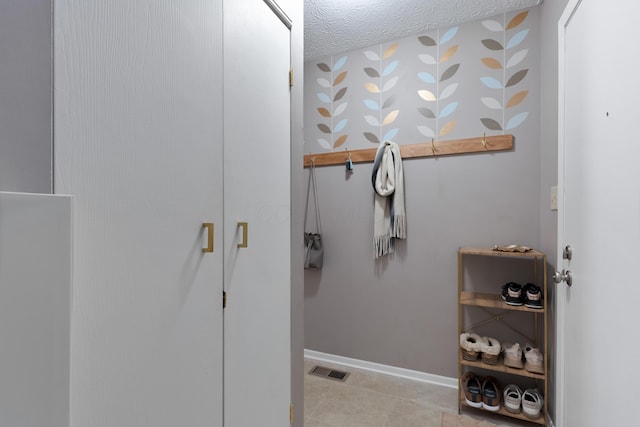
[
  {"x": 245, "y": 234},
  {"x": 563, "y": 276},
  {"x": 209, "y": 227}
]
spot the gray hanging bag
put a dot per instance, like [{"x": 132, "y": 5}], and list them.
[{"x": 313, "y": 249}]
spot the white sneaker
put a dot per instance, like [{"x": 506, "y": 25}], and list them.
[
  {"x": 532, "y": 403},
  {"x": 512, "y": 398},
  {"x": 534, "y": 360},
  {"x": 512, "y": 355}
]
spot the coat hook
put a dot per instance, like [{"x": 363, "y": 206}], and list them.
[
  {"x": 484, "y": 140},
  {"x": 348, "y": 163},
  {"x": 433, "y": 147}
]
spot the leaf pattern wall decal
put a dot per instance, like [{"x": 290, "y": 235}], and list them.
[
  {"x": 498, "y": 80},
  {"x": 379, "y": 88},
  {"x": 517, "y": 20},
  {"x": 331, "y": 94},
  {"x": 433, "y": 77}
]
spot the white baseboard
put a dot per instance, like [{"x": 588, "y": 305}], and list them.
[{"x": 382, "y": 369}]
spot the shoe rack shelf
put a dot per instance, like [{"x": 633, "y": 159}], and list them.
[
  {"x": 479, "y": 299},
  {"x": 502, "y": 411},
  {"x": 499, "y": 310}
]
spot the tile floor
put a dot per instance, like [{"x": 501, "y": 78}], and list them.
[{"x": 368, "y": 399}]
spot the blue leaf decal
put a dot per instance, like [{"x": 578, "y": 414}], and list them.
[
  {"x": 516, "y": 120},
  {"x": 324, "y": 97},
  {"x": 340, "y": 125},
  {"x": 390, "y": 135},
  {"x": 340, "y": 63},
  {"x": 448, "y": 110},
  {"x": 427, "y": 77},
  {"x": 448, "y": 35},
  {"x": 517, "y": 39},
  {"x": 491, "y": 83},
  {"x": 390, "y": 68},
  {"x": 372, "y": 105}
]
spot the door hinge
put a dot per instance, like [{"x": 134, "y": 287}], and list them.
[
  {"x": 291, "y": 77},
  {"x": 291, "y": 414},
  {"x": 224, "y": 299}
]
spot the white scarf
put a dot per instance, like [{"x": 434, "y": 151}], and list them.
[{"x": 389, "y": 209}]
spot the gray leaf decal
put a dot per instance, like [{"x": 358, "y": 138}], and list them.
[
  {"x": 492, "y": 44},
  {"x": 324, "y": 67},
  {"x": 371, "y": 137},
  {"x": 324, "y": 128},
  {"x": 517, "y": 77},
  {"x": 372, "y": 72},
  {"x": 491, "y": 124},
  {"x": 449, "y": 72},
  {"x": 389, "y": 102},
  {"x": 340, "y": 94},
  {"x": 427, "y": 41},
  {"x": 429, "y": 114}
]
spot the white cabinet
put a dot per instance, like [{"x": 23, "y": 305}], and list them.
[
  {"x": 152, "y": 143},
  {"x": 35, "y": 300}
]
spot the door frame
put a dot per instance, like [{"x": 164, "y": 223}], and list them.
[{"x": 563, "y": 22}]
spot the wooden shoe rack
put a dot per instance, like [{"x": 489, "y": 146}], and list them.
[{"x": 485, "y": 299}]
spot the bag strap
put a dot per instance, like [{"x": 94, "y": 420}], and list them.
[{"x": 312, "y": 181}]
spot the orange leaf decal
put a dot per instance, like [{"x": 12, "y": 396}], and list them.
[
  {"x": 446, "y": 129},
  {"x": 390, "y": 117},
  {"x": 390, "y": 51},
  {"x": 324, "y": 112},
  {"x": 517, "y": 98},
  {"x": 372, "y": 88},
  {"x": 492, "y": 63},
  {"x": 449, "y": 53},
  {"x": 517, "y": 20},
  {"x": 340, "y": 141},
  {"x": 340, "y": 78}
]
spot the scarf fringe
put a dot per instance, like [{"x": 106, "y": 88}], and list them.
[
  {"x": 399, "y": 227},
  {"x": 382, "y": 245}
]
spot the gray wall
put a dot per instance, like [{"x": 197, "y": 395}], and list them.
[
  {"x": 401, "y": 310},
  {"x": 25, "y": 96}
]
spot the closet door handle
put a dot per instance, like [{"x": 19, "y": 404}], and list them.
[
  {"x": 209, "y": 227},
  {"x": 245, "y": 234}
]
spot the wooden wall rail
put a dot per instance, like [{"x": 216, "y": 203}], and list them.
[{"x": 424, "y": 149}]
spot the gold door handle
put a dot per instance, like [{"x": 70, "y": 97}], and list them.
[
  {"x": 209, "y": 227},
  {"x": 245, "y": 232}
]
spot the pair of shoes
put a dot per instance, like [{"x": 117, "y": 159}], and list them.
[
  {"x": 481, "y": 392},
  {"x": 475, "y": 346},
  {"x": 515, "y": 294},
  {"x": 534, "y": 359},
  {"x": 532, "y": 403}
]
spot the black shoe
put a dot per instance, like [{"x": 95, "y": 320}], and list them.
[
  {"x": 532, "y": 296},
  {"x": 512, "y": 293}
]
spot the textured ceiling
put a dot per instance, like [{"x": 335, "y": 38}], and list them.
[{"x": 335, "y": 26}]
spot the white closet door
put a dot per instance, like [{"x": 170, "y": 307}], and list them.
[
  {"x": 35, "y": 306},
  {"x": 257, "y": 191},
  {"x": 138, "y": 143}
]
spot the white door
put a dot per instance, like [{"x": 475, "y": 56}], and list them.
[
  {"x": 138, "y": 143},
  {"x": 599, "y": 214},
  {"x": 35, "y": 309},
  {"x": 257, "y": 146}
]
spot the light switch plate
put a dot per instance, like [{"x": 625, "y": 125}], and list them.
[{"x": 554, "y": 198}]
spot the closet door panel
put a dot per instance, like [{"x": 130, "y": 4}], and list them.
[
  {"x": 257, "y": 191},
  {"x": 138, "y": 143},
  {"x": 35, "y": 309}
]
